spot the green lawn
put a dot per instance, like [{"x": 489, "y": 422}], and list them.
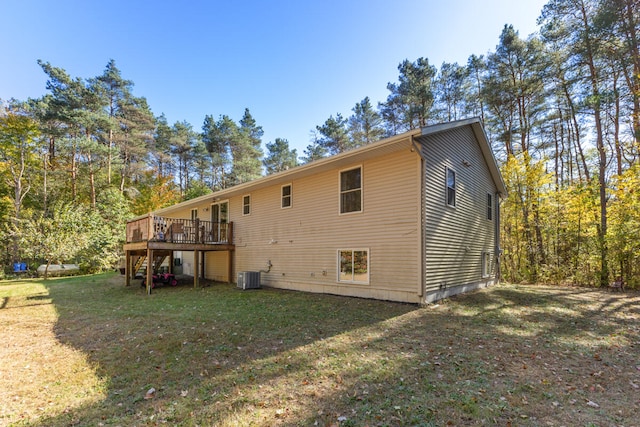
[{"x": 84, "y": 351}]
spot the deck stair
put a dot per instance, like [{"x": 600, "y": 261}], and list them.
[{"x": 140, "y": 266}]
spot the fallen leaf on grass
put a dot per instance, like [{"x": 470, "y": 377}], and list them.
[
  {"x": 593, "y": 404},
  {"x": 151, "y": 393}
]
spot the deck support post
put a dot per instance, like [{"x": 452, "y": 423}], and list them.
[
  {"x": 127, "y": 268},
  {"x": 149, "y": 280},
  {"x": 196, "y": 268},
  {"x": 202, "y": 258}
]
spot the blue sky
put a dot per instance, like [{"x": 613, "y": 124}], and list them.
[{"x": 292, "y": 63}]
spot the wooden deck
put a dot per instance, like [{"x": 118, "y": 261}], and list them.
[
  {"x": 158, "y": 229},
  {"x": 154, "y": 238}
]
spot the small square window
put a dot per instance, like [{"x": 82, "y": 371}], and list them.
[
  {"x": 451, "y": 186},
  {"x": 489, "y": 206},
  {"x": 286, "y": 196},
  {"x": 246, "y": 205}
]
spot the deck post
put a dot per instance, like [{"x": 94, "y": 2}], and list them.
[
  {"x": 150, "y": 226},
  {"x": 127, "y": 268},
  {"x": 149, "y": 280},
  {"x": 196, "y": 268},
  {"x": 202, "y": 264}
]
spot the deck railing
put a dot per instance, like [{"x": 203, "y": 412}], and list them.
[{"x": 177, "y": 230}]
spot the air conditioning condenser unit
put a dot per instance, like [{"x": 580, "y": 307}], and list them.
[{"x": 249, "y": 280}]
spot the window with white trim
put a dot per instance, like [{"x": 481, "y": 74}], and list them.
[
  {"x": 194, "y": 214},
  {"x": 351, "y": 190},
  {"x": 489, "y": 206},
  {"x": 246, "y": 205},
  {"x": 450, "y": 177},
  {"x": 286, "y": 196},
  {"x": 353, "y": 266},
  {"x": 487, "y": 259}
]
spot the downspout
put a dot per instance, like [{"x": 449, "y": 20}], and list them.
[{"x": 421, "y": 217}]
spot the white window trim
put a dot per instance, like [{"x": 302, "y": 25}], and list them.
[
  {"x": 490, "y": 198},
  {"x": 243, "y": 205},
  {"x": 219, "y": 230},
  {"x": 446, "y": 187},
  {"x": 290, "y": 196},
  {"x": 487, "y": 264},
  {"x": 361, "y": 190},
  {"x": 194, "y": 213},
  {"x": 354, "y": 282}
]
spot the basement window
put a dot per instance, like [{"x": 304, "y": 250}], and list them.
[
  {"x": 353, "y": 266},
  {"x": 487, "y": 259}
]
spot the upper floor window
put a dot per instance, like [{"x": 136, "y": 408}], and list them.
[
  {"x": 451, "y": 187},
  {"x": 246, "y": 205},
  {"x": 286, "y": 196},
  {"x": 489, "y": 206},
  {"x": 351, "y": 190}
]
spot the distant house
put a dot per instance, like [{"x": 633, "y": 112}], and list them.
[{"x": 411, "y": 218}]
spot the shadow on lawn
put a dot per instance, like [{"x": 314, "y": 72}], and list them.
[
  {"x": 219, "y": 356},
  {"x": 196, "y": 347}
]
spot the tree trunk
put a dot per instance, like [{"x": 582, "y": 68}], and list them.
[
  {"x": 631, "y": 31},
  {"x": 74, "y": 173},
  {"x": 602, "y": 154},
  {"x": 109, "y": 156}
]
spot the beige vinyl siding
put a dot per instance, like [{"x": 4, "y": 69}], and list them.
[
  {"x": 455, "y": 238},
  {"x": 302, "y": 242},
  {"x": 216, "y": 266},
  {"x": 185, "y": 213}
]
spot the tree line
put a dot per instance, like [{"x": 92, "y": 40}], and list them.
[{"x": 560, "y": 107}]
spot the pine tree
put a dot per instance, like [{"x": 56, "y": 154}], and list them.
[
  {"x": 280, "y": 157},
  {"x": 334, "y": 137},
  {"x": 365, "y": 125},
  {"x": 246, "y": 150}
]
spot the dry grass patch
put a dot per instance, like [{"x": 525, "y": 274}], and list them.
[
  {"x": 40, "y": 375},
  {"x": 508, "y": 355}
]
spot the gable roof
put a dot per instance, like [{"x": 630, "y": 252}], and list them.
[
  {"x": 483, "y": 143},
  {"x": 347, "y": 158}
]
